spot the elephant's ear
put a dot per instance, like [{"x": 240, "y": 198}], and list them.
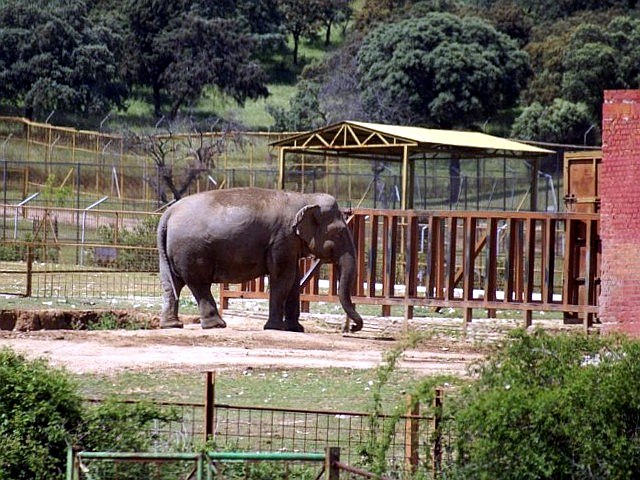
[{"x": 306, "y": 222}]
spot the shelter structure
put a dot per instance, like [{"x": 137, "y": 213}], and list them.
[{"x": 404, "y": 146}]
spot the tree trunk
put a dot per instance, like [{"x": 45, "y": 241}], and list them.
[
  {"x": 157, "y": 104},
  {"x": 296, "y": 41}
]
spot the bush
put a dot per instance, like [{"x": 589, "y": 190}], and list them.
[
  {"x": 39, "y": 407},
  {"x": 565, "y": 406},
  {"x": 142, "y": 235},
  {"x": 41, "y": 414}
]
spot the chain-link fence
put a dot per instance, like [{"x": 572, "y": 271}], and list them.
[
  {"x": 71, "y": 253},
  {"x": 75, "y": 169}
]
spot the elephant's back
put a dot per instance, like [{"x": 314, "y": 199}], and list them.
[
  {"x": 223, "y": 235},
  {"x": 254, "y": 198}
]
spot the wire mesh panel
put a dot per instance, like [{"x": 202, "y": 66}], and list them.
[
  {"x": 261, "y": 429},
  {"x": 79, "y": 254},
  {"x": 269, "y": 429}
]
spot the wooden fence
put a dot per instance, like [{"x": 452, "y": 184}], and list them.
[
  {"x": 467, "y": 260},
  {"x": 447, "y": 259}
]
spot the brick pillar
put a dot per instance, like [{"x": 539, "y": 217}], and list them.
[{"x": 620, "y": 212}]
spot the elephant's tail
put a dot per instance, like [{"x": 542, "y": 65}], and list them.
[{"x": 162, "y": 251}]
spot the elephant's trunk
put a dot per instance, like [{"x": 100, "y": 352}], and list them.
[{"x": 347, "y": 266}]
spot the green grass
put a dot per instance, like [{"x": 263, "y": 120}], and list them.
[
  {"x": 254, "y": 114},
  {"x": 330, "y": 389}
]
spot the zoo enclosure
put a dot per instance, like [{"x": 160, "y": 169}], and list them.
[
  {"x": 74, "y": 168},
  {"x": 470, "y": 260}
]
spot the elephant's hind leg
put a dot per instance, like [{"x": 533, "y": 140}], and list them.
[
  {"x": 209, "y": 316},
  {"x": 171, "y": 294}
]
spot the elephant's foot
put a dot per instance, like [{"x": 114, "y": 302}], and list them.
[
  {"x": 274, "y": 325},
  {"x": 170, "y": 323},
  {"x": 212, "y": 322},
  {"x": 350, "y": 327},
  {"x": 294, "y": 327}
]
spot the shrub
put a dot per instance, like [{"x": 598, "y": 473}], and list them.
[
  {"x": 39, "y": 407},
  {"x": 565, "y": 406},
  {"x": 41, "y": 414},
  {"x": 142, "y": 235}
]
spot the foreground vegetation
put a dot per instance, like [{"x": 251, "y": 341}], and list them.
[{"x": 541, "y": 406}]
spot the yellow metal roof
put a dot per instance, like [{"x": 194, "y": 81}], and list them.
[
  {"x": 453, "y": 137},
  {"x": 350, "y": 135}
]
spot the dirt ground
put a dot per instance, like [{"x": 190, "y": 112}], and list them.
[{"x": 62, "y": 338}]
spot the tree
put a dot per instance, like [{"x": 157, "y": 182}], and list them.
[
  {"x": 553, "y": 9},
  {"x": 304, "y": 111},
  {"x": 183, "y": 159},
  {"x": 332, "y": 11},
  {"x": 598, "y": 58},
  {"x": 177, "y": 52},
  {"x": 300, "y": 18},
  {"x": 53, "y": 57},
  {"x": 260, "y": 19},
  {"x": 546, "y": 60},
  {"x": 560, "y": 122},
  {"x": 439, "y": 70},
  {"x": 510, "y": 18}
]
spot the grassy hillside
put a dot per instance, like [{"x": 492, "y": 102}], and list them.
[{"x": 253, "y": 114}]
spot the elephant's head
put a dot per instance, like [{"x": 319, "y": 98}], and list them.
[{"x": 325, "y": 234}]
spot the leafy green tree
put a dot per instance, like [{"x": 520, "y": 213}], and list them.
[
  {"x": 560, "y": 122},
  {"x": 177, "y": 52},
  {"x": 511, "y": 18},
  {"x": 54, "y": 57},
  {"x": 332, "y": 12},
  {"x": 590, "y": 66},
  {"x": 259, "y": 19},
  {"x": 599, "y": 58},
  {"x": 553, "y": 9},
  {"x": 300, "y": 19},
  {"x": 552, "y": 407},
  {"x": 439, "y": 70},
  {"x": 375, "y": 12},
  {"x": 546, "y": 61},
  {"x": 304, "y": 111},
  {"x": 39, "y": 408}
]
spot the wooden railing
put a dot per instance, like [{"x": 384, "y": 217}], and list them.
[{"x": 465, "y": 260}]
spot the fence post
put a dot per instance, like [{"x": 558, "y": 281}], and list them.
[
  {"x": 72, "y": 471},
  {"x": 332, "y": 457},
  {"x": 29, "y": 270},
  {"x": 437, "y": 433},
  {"x": 209, "y": 404},
  {"x": 411, "y": 431}
]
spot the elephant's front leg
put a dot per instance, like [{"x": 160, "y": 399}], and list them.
[
  {"x": 278, "y": 291},
  {"x": 292, "y": 307},
  {"x": 209, "y": 315}
]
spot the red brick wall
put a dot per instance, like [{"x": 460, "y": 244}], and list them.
[{"x": 620, "y": 212}]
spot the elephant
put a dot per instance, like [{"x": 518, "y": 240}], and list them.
[{"x": 237, "y": 234}]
